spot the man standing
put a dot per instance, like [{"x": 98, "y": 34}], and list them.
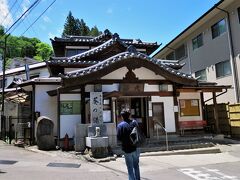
[{"x": 131, "y": 152}]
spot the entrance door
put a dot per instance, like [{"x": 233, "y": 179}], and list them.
[
  {"x": 137, "y": 105},
  {"x": 158, "y": 118}
]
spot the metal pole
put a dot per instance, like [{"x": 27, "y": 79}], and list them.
[
  {"x": 166, "y": 140},
  {"x": 3, "y": 69},
  {"x": 3, "y": 119}
]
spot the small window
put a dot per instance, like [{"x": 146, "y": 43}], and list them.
[
  {"x": 170, "y": 56},
  {"x": 163, "y": 87},
  {"x": 189, "y": 107},
  {"x": 223, "y": 69},
  {"x": 238, "y": 14},
  {"x": 197, "y": 42},
  {"x": 70, "y": 107},
  {"x": 72, "y": 52},
  {"x": 201, "y": 75},
  {"x": 218, "y": 28},
  {"x": 180, "y": 52}
]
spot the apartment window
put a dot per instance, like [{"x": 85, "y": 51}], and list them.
[
  {"x": 238, "y": 14},
  {"x": 201, "y": 75},
  {"x": 223, "y": 69},
  {"x": 180, "y": 52},
  {"x": 197, "y": 42},
  {"x": 218, "y": 28},
  {"x": 170, "y": 56}
]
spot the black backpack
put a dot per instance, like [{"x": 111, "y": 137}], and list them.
[{"x": 137, "y": 137}]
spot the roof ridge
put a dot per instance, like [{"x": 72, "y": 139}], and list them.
[{"x": 130, "y": 53}]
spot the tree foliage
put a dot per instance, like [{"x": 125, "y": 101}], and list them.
[
  {"x": 1, "y": 30},
  {"x": 77, "y": 27},
  {"x": 44, "y": 51},
  {"x": 25, "y": 47},
  {"x": 28, "y": 47}
]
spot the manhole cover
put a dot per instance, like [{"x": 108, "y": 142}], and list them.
[
  {"x": 7, "y": 162},
  {"x": 66, "y": 165}
]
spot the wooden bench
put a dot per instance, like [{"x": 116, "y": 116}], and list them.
[{"x": 190, "y": 125}]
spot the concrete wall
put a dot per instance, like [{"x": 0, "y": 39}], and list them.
[
  {"x": 81, "y": 132},
  {"x": 213, "y": 50}
]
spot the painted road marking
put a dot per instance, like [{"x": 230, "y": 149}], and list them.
[{"x": 206, "y": 174}]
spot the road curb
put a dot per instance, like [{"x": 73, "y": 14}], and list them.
[{"x": 183, "y": 152}]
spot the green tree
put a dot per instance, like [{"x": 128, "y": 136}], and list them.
[
  {"x": 1, "y": 30},
  {"x": 74, "y": 26},
  {"x": 44, "y": 51},
  {"x": 94, "y": 31},
  {"x": 70, "y": 26},
  {"x": 21, "y": 46},
  {"x": 84, "y": 29}
]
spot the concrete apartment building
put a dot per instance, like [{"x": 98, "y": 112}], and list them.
[{"x": 210, "y": 47}]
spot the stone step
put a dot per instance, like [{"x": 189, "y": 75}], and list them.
[{"x": 162, "y": 147}]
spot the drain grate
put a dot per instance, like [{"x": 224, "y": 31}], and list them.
[
  {"x": 7, "y": 162},
  {"x": 65, "y": 165}
]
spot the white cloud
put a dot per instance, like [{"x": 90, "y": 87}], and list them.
[
  {"x": 5, "y": 16},
  {"x": 47, "y": 19},
  {"x": 109, "y": 11},
  {"x": 25, "y": 5}
]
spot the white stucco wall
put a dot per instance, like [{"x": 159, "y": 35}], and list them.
[
  {"x": 69, "y": 122},
  {"x": 117, "y": 74},
  {"x": 144, "y": 73},
  {"x": 168, "y": 112},
  {"x": 141, "y": 73},
  {"x": 151, "y": 88},
  {"x": 45, "y": 104}
]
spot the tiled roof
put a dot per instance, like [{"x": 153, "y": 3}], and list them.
[
  {"x": 76, "y": 58},
  {"x": 130, "y": 53},
  {"x": 113, "y": 40},
  {"x": 172, "y": 63},
  {"x": 101, "y": 38}
]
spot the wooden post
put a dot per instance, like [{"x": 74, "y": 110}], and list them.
[
  {"x": 215, "y": 111},
  {"x": 175, "y": 103},
  {"x": 58, "y": 117}
]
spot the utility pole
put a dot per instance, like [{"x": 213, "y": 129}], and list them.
[
  {"x": 3, "y": 69},
  {"x": 3, "y": 119}
]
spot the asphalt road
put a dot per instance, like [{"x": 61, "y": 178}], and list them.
[{"x": 27, "y": 165}]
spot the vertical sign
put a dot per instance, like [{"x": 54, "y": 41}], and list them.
[
  {"x": 27, "y": 71},
  {"x": 96, "y": 107}
]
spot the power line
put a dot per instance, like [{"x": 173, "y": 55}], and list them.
[
  {"x": 21, "y": 16},
  {"x": 19, "y": 4},
  {"x": 38, "y": 17},
  {"x": 25, "y": 17},
  {"x": 8, "y": 12}
]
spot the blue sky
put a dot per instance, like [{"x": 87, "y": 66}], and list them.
[{"x": 149, "y": 20}]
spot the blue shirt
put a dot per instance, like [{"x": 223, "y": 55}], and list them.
[{"x": 124, "y": 130}]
